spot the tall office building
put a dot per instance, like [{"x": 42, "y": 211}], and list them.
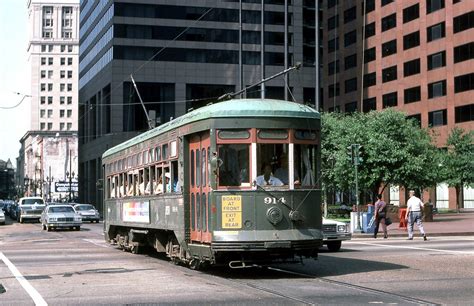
[
  {"x": 50, "y": 145},
  {"x": 182, "y": 55},
  {"x": 415, "y": 55}
]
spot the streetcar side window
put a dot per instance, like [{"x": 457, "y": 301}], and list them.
[{"x": 305, "y": 162}]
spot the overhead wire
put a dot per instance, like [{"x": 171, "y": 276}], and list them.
[{"x": 16, "y": 105}]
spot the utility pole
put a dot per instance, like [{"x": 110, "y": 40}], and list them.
[{"x": 354, "y": 151}]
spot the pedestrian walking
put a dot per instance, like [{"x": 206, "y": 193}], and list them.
[
  {"x": 414, "y": 210},
  {"x": 380, "y": 216}
]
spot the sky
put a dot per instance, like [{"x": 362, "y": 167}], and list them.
[{"x": 14, "y": 77}]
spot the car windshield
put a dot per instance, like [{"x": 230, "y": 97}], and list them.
[
  {"x": 61, "y": 209},
  {"x": 84, "y": 207},
  {"x": 32, "y": 201}
]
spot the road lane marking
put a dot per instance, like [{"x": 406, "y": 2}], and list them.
[
  {"x": 414, "y": 248},
  {"x": 37, "y": 298},
  {"x": 103, "y": 245}
]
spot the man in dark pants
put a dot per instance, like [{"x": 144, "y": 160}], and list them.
[{"x": 380, "y": 216}]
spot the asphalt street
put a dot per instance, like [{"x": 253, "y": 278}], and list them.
[{"x": 78, "y": 268}]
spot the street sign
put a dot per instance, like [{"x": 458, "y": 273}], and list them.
[{"x": 64, "y": 187}]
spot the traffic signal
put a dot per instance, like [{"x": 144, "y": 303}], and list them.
[
  {"x": 360, "y": 154},
  {"x": 350, "y": 153}
]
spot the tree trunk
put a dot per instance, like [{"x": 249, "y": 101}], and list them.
[{"x": 458, "y": 200}]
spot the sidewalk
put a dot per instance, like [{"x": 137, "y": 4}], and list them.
[{"x": 453, "y": 224}]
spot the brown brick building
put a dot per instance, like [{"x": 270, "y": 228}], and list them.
[{"x": 415, "y": 55}]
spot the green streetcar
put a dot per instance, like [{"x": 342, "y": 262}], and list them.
[{"x": 233, "y": 183}]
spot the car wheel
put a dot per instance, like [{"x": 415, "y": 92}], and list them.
[
  {"x": 21, "y": 220},
  {"x": 48, "y": 228},
  {"x": 43, "y": 227},
  {"x": 334, "y": 246},
  {"x": 78, "y": 228}
]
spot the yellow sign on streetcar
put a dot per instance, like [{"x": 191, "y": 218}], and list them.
[{"x": 232, "y": 211}]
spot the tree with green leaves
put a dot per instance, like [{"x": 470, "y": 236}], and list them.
[
  {"x": 396, "y": 151},
  {"x": 458, "y": 164}
]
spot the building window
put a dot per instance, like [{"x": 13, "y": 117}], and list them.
[
  {"x": 63, "y": 48},
  {"x": 69, "y": 61},
  {"x": 464, "y": 82},
  {"x": 42, "y": 87},
  {"x": 50, "y": 113},
  {"x": 50, "y": 48},
  {"x": 50, "y": 60},
  {"x": 411, "y": 13},
  {"x": 350, "y": 38},
  {"x": 333, "y": 45},
  {"x": 69, "y": 87},
  {"x": 61, "y": 126},
  {"x": 351, "y": 107},
  {"x": 389, "y": 48},
  {"x": 43, "y": 61},
  {"x": 50, "y": 126},
  {"x": 415, "y": 118},
  {"x": 62, "y": 100},
  {"x": 69, "y": 113},
  {"x": 390, "y": 99},
  {"x": 69, "y": 126},
  {"x": 434, "y": 5},
  {"x": 385, "y": 2},
  {"x": 370, "y": 30},
  {"x": 412, "y": 94},
  {"x": 350, "y": 85},
  {"x": 333, "y": 90},
  {"x": 50, "y": 87},
  {"x": 47, "y": 34},
  {"x": 463, "y": 22},
  {"x": 333, "y": 22},
  {"x": 437, "y": 60},
  {"x": 389, "y": 74},
  {"x": 464, "y": 52},
  {"x": 42, "y": 126},
  {"x": 369, "y": 104},
  {"x": 69, "y": 48},
  {"x": 370, "y": 79},
  {"x": 42, "y": 100},
  {"x": 350, "y": 14},
  {"x": 62, "y": 87},
  {"x": 43, "y": 74},
  {"x": 389, "y": 22},
  {"x": 333, "y": 67},
  {"x": 332, "y": 3},
  {"x": 43, "y": 48},
  {"x": 50, "y": 74},
  {"x": 50, "y": 100},
  {"x": 62, "y": 74},
  {"x": 66, "y": 34},
  {"x": 350, "y": 61},
  {"x": 69, "y": 74},
  {"x": 411, "y": 67},
  {"x": 61, "y": 113},
  {"x": 437, "y": 118},
  {"x": 436, "y": 31},
  {"x": 456, "y": 1},
  {"x": 63, "y": 61},
  {"x": 411, "y": 40},
  {"x": 42, "y": 113},
  {"x": 437, "y": 89},
  {"x": 369, "y": 55},
  {"x": 370, "y": 6},
  {"x": 464, "y": 113},
  {"x": 69, "y": 100}
]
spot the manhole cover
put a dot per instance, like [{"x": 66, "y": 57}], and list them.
[{"x": 2, "y": 289}]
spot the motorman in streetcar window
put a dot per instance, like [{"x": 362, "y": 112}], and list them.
[
  {"x": 267, "y": 179},
  {"x": 282, "y": 172}
]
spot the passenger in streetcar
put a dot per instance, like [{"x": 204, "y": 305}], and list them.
[
  {"x": 267, "y": 179},
  {"x": 282, "y": 172}
]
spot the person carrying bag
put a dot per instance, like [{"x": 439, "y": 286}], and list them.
[{"x": 380, "y": 216}]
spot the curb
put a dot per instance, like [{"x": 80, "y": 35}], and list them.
[{"x": 371, "y": 236}]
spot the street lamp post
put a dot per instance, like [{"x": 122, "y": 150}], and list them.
[{"x": 70, "y": 174}]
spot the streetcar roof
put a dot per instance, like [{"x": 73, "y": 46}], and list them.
[{"x": 235, "y": 108}]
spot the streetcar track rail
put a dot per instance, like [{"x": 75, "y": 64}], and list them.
[{"x": 357, "y": 287}]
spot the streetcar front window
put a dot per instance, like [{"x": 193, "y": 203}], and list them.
[
  {"x": 272, "y": 165},
  {"x": 234, "y": 169}
]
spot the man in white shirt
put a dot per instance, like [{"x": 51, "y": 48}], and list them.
[
  {"x": 267, "y": 179},
  {"x": 414, "y": 210}
]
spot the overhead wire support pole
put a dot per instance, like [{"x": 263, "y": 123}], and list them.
[
  {"x": 150, "y": 126},
  {"x": 233, "y": 94}
]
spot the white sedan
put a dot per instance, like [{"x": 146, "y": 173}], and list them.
[
  {"x": 2, "y": 217},
  {"x": 334, "y": 232},
  {"x": 60, "y": 216}
]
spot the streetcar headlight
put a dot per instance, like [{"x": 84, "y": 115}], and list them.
[{"x": 341, "y": 228}]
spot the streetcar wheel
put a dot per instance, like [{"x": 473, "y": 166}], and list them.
[
  {"x": 134, "y": 249},
  {"x": 334, "y": 246},
  {"x": 195, "y": 264}
]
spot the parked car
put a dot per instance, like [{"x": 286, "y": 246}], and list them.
[
  {"x": 30, "y": 208},
  {"x": 2, "y": 217},
  {"x": 60, "y": 216},
  {"x": 88, "y": 212},
  {"x": 334, "y": 232}
]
